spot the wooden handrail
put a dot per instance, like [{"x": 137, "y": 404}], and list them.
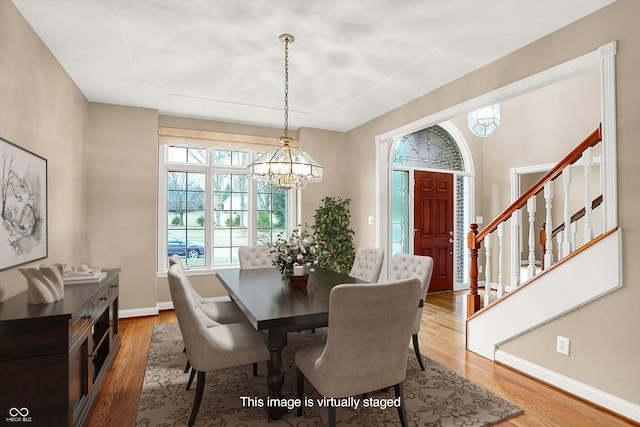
[
  {"x": 570, "y": 159},
  {"x": 475, "y": 238},
  {"x": 578, "y": 215}
]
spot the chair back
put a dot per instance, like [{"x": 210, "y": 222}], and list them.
[
  {"x": 255, "y": 257},
  {"x": 369, "y": 326},
  {"x": 404, "y": 266},
  {"x": 189, "y": 314},
  {"x": 367, "y": 264},
  {"x": 175, "y": 259}
]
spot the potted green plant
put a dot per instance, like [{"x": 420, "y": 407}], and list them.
[{"x": 333, "y": 228}]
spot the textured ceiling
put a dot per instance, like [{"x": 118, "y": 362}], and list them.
[{"x": 222, "y": 60}]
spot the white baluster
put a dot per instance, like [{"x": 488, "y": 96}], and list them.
[
  {"x": 548, "y": 200},
  {"x": 531, "y": 209},
  {"x": 566, "y": 181},
  {"x": 500, "y": 286},
  {"x": 574, "y": 232},
  {"x": 560, "y": 246},
  {"x": 587, "y": 162},
  {"x": 516, "y": 247},
  {"x": 487, "y": 270}
]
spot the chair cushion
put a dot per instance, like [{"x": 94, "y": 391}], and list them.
[
  {"x": 226, "y": 346},
  {"x": 223, "y": 311}
]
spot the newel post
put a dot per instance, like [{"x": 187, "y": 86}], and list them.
[{"x": 473, "y": 299}]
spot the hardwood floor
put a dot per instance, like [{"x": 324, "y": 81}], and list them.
[{"x": 442, "y": 339}]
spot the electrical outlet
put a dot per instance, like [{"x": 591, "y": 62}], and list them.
[{"x": 563, "y": 345}]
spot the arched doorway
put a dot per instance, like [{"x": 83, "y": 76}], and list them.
[{"x": 428, "y": 198}]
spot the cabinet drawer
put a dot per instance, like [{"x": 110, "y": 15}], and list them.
[
  {"x": 113, "y": 289},
  {"x": 79, "y": 321},
  {"x": 101, "y": 302}
]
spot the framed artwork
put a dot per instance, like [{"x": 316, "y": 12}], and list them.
[{"x": 23, "y": 206}]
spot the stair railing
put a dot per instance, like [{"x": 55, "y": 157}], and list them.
[
  {"x": 513, "y": 216},
  {"x": 557, "y": 232}
]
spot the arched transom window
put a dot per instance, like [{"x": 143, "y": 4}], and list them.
[{"x": 431, "y": 148}]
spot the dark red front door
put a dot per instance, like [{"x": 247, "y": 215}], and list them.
[{"x": 433, "y": 217}]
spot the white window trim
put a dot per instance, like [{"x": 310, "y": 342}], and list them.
[{"x": 162, "y": 221}]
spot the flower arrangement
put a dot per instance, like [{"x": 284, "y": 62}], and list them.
[{"x": 299, "y": 249}]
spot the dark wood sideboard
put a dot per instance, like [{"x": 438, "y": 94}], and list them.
[{"x": 53, "y": 357}]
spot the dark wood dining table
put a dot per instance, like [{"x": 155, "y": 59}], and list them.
[{"x": 271, "y": 305}]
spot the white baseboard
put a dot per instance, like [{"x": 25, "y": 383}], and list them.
[
  {"x": 138, "y": 312},
  {"x": 591, "y": 394},
  {"x": 165, "y": 305}
]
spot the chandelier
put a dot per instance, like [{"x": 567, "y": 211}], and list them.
[
  {"x": 285, "y": 167},
  {"x": 484, "y": 121}
]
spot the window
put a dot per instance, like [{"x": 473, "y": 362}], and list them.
[
  {"x": 400, "y": 212},
  {"x": 209, "y": 207}
]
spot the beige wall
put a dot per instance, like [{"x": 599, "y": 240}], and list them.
[
  {"x": 605, "y": 340},
  {"x": 326, "y": 148},
  {"x": 121, "y": 175},
  {"x": 43, "y": 111}
]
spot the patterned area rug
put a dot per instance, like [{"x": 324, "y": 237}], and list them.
[{"x": 436, "y": 397}]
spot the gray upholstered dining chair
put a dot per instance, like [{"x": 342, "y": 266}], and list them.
[
  {"x": 211, "y": 348},
  {"x": 255, "y": 257},
  {"x": 366, "y": 347},
  {"x": 367, "y": 264},
  {"x": 218, "y": 311},
  {"x": 213, "y": 313},
  {"x": 405, "y": 266}
]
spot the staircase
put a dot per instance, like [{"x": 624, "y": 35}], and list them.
[{"x": 577, "y": 260}]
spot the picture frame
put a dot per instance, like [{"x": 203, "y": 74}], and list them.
[{"x": 23, "y": 206}]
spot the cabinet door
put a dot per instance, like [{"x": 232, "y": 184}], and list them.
[
  {"x": 78, "y": 379},
  {"x": 33, "y": 390},
  {"x": 113, "y": 320}
]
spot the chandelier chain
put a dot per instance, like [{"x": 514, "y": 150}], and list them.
[{"x": 286, "y": 86}]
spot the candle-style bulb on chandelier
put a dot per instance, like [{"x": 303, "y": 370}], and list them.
[{"x": 285, "y": 167}]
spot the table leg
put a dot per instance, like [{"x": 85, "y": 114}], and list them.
[{"x": 276, "y": 340}]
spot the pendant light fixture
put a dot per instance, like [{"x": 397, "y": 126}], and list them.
[
  {"x": 285, "y": 167},
  {"x": 484, "y": 121}
]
